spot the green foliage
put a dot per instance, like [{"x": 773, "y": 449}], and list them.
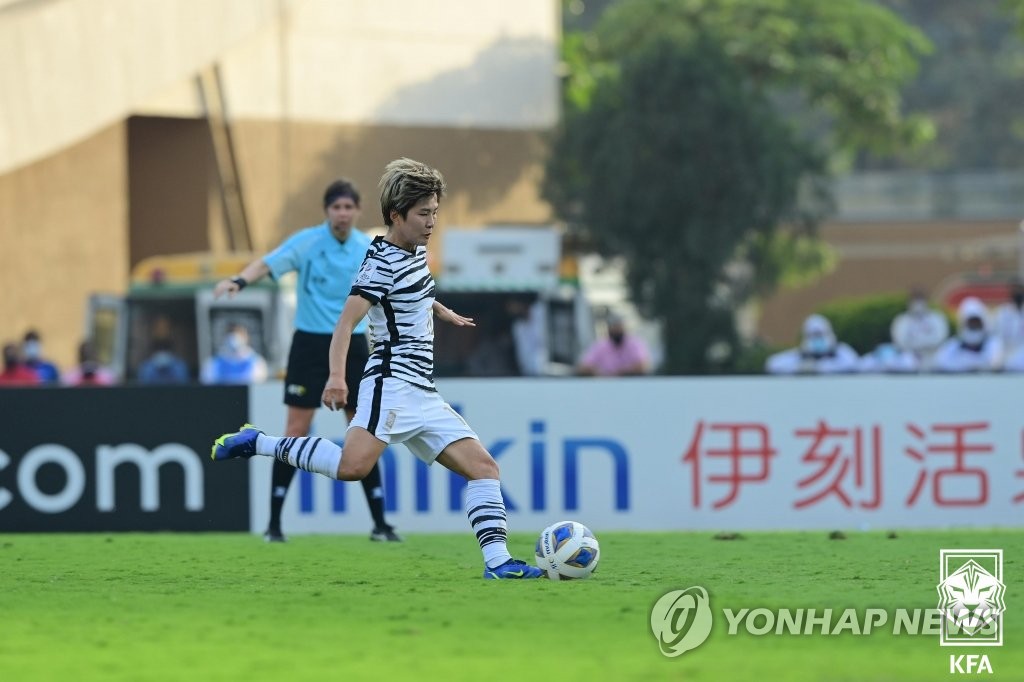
[
  {"x": 674, "y": 153},
  {"x": 697, "y": 161},
  {"x": 751, "y": 359},
  {"x": 847, "y": 59},
  {"x": 864, "y": 322},
  {"x": 787, "y": 258},
  {"x": 971, "y": 85}
]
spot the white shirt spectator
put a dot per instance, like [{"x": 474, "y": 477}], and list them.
[
  {"x": 819, "y": 352},
  {"x": 1009, "y": 321},
  {"x": 920, "y": 330}
]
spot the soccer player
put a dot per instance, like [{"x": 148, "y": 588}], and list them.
[
  {"x": 398, "y": 402},
  {"x": 326, "y": 256}
]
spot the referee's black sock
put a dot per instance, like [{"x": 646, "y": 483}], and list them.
[
  {"x": 280, "y": 479},
  {"x": 375, "y": 496}
]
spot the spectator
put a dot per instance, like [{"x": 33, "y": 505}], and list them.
[
  {"x": 236, "y": 362},
  {"x": 89, "y": 371},
  {"x": 1009, "y": 320},
  {"x": 16, "y": 372},
  {"x": 32, "y": 353},
  {"x": 528, "y": 322},
  {"x": 163, "y": 366},
  {"x": 920, "y": 330},
  {"x": 819, "y": 352},
  {"x": 620, "y": 354},
  {"x": 974, "y": 348}
]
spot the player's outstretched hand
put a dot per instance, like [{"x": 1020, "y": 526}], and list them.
[
  {"x": 449, "y": 315},
  {"x": 225, "y": 287},
  {"x": 335, "y": 394}
]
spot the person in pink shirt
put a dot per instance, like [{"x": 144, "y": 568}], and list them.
[{"x": 620, "y": 354}]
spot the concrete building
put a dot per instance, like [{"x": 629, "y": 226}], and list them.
[{"x": 130, "y": 128}]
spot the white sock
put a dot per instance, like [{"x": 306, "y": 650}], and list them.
[
  {"x": 309, "y": 453},
  {"x": 486, "y": 512},
  {"x": 267, "y": 445}
]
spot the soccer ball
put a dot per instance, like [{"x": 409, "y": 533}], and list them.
[{"x": 567, "y": 550}]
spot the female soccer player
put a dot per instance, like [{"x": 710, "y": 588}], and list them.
[{"x": 398, "y": 402}]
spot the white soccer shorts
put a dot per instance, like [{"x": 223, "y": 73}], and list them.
[{"x": 395, "y": 411}]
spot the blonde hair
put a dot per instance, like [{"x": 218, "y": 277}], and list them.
[{"x": 404, "y": 183}]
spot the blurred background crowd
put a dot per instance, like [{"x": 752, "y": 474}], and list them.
[{"x": 677, "y": 187}]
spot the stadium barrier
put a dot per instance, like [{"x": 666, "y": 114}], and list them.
[
  {"x": 645, "y": 454},
  {"x": 120, "y": 459},
  {"x": 726, "y": 453}
]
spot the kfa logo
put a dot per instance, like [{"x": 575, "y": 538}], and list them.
[{"x": 971, "y": 591}]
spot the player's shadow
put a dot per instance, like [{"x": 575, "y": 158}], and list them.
[{"x": 481, "y": 148}]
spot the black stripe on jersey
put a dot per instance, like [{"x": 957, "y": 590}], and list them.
[
  {"x": 378, "y": 390},
  {"x": 419, "y": 285},
  {"x": 389, "y": 315},
  {"x": 363, "y": 293},
  {"x": 385, "y": 361}
]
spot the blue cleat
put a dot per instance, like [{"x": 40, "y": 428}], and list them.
[
  {"x": 513, "y": 569},
  {"x": 241, "y": 443}
]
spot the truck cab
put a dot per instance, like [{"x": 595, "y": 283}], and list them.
[{"x": 171, "y": 298}]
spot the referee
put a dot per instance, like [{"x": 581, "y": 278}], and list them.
[{"x": 326, "y": 257}]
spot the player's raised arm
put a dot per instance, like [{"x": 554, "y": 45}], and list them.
[
  {"x": 449, "y": 315},
  {"x": 335, "y": 394}
]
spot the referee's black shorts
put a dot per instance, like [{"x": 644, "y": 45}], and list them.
[{"x": 309, "y": 366}]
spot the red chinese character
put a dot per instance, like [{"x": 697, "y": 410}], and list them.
[
  {"x": 760, "y": 450},
  {"x": 959, "y": 450},
  {"x": 834, "y": 459}
]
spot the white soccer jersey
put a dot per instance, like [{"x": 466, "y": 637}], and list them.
[{"x": 401, "y": 290}]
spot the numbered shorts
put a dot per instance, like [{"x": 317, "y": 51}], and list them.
[
  {"x": 397, "y": 412},
  {"x": 309, "y": 365}
]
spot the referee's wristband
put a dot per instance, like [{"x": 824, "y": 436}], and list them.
[{"x": 240, "y": 282}]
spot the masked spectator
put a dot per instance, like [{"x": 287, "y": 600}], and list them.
[
  {"x": 920, "y": 330},
  {"x": 236, "y": 362},
  {"x": 974, "y": 348},
  {"x": 32, "y": 354},
  {"x": 820, "y": 352},
  {"x": 619, "y": 354}
]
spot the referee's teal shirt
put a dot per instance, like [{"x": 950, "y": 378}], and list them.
[{"x": 326, "y": 269}]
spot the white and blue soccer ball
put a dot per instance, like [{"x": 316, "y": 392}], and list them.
[{"x": 567, "y": 550}]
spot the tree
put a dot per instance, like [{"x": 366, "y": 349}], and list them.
[{"x": 674, "y": 153}]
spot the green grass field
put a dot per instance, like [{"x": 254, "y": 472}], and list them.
[{"x": 229, "y": 607}]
